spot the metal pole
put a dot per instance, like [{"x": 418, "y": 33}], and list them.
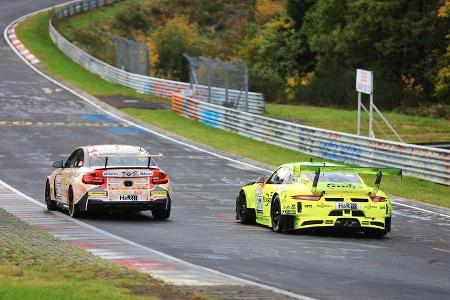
[
  {"x": 246, "y": 88},
  {"x": 371, "y": 116},
  {"x": 226, "y": 86},
  {"x": 358, "y": 132},
  {"x": 209, "y": 83}
]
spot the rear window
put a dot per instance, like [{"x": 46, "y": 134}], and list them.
[
  {"x": 335, "y": 177},
  {"x": 121, "y": 160}
]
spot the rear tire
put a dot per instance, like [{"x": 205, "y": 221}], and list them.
[
  {"x": 74, "y": 210},
  {"x": 163, "y": 214},
  {"x": 279, "y": 222},
  {"x": 243, "y": 214},
  {"x": 51, "y": 204}
]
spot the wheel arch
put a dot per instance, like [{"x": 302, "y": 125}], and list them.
[{"x": 248, "y": 191}]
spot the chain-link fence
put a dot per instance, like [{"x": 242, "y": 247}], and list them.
[
  {"x": 232, "y": 77},
  {"x": 131, "y": 56}
]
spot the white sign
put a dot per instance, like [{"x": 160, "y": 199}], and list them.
[{"x": 364, "y": 81}]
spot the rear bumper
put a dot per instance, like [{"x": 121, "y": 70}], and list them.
[
  {"x": 350, "y": 223},
  {"x": 100, "y": 205}
]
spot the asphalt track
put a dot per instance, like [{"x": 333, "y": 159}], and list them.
[{"x": 43, "y": 123}]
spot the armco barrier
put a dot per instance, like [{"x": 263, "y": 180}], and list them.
[
  {"x": 423, "y": 162},
  {"x": 143, "y": 84}
]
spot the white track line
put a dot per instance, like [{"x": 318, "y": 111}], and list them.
[
  {"x": 162, "y": 136},
  {"x": 422, "y": 209}
]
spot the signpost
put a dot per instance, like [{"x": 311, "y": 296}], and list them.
[{"x": 364, "y": 84}]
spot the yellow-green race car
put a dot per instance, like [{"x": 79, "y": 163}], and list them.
[{"x": 311, "y": 195}]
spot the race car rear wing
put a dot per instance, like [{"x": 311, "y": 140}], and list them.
[
  {"x": 318, "y": 169},
  {"x": 149, "y": 156}
]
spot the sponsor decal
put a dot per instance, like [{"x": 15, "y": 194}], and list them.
[
  {"x": 97, "y": 194},
  {"x": 308, "y": 206},
  {"x": 111, "y": 173},
  {"x": 128, "y": 197},
  {"x": 341, "y": 185},
  {"x": 146, "y": 173},
  {"x": 129, "y": 173},
  {"x": 365, "y": 222},
  {"x": 158, "y": 193},
  {"x": 328, "y": 221},
  {"x": 259, "y": 198},
  {"x": 323, "y": 205},
  {"x": 58, "y": 180}
]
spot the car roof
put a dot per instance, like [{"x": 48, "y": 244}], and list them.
[{"x": 110, "y": 149}]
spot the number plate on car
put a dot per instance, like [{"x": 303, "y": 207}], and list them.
[
  {"x": 347, "y": 205},
  {"x": 128, "y": 198}
]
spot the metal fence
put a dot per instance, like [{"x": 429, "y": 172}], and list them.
[
  {"x": 143, "y": 84},
  {"x": 423, "y": 162},
  {"x": 131, "y": 56},
  {"x": 231, "y": 76}
]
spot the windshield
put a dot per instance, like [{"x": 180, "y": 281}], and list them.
[
  {"x": 335, "y": 177},
  {"x": 122, "y": 160}
]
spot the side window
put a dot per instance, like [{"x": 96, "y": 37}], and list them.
[
  {"x": 279, "y": 176},
  {"x": 74, "y": 159},
  {"x": 289, "y": 179},
  {"x": 79, "y": 160}
]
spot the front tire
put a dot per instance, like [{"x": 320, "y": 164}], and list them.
[
  {"x": 163, "y": 214},
  {"x": 279, "y": 221},
  {"x": 243, "y": 214},
  {"x": 74, "y": 210},
  {"x": 51, "y": 204}
]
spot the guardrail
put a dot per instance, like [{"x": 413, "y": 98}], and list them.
[
  {"x": 419, "y": 161},
  {"x": 143, "y": 84}
]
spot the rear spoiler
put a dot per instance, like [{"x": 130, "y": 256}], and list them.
[
  {"x": 149, "y": 156},
  {"x": 318, "y": 169}
]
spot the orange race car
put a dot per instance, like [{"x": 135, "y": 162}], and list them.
[{"x": 111, "y": 178}]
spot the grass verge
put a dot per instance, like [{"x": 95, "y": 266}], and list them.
[
  {"x": 412, "y": 129},
  {"x": 35, "y": 265},
  {"x": 34, "y": 33}
]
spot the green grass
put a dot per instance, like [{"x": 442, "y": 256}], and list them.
[
  {"x": 412, "y": 129},
  {"x": 35, "y": 265},
  {"x": 33, "y": 32}
]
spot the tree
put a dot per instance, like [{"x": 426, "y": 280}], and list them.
[{"x": 399, "y": 39}]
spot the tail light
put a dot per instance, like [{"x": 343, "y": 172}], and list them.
[
  {"x": 94, "y": 178},
  {"x": 378, "y": 199},
  {"x": 160, "y": 178},
  {"x": 307, "y": 197}
]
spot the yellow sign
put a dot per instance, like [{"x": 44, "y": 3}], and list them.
[
  {"x": 97, "y": 194},
  {"x": 158, "y": 193}
]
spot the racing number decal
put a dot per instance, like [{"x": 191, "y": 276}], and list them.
[
  {"x": 58, "y": 179},
  {"x": 259, "y": 199}
]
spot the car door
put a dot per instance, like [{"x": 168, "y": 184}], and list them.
[
  {"x": 66, "y": 173},
  {"x": 272, "y": 185}
]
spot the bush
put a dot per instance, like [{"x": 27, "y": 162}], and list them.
[{"x": 172, "y": 40}]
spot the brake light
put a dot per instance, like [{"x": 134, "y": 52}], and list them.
[
  {"x": 160, "y": 178},
  {"x": 307, "y": 197},
  {"x": 378, "y": 199},
  {"x": 94, "y": 178}
]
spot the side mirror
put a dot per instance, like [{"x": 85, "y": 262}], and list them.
[
  {"x": 260, "y": 179},
  {"x": 58, "y": 164}
]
